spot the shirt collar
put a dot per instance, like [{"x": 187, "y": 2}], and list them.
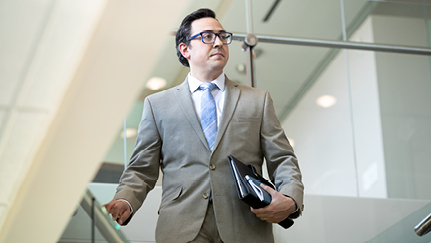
[{"x": 194, "y": 83}]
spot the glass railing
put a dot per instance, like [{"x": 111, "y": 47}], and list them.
[
  {"x": 403, "y": 230},
  {"x": 330, "y": 219},
  {"x": 91, "y": 223}
]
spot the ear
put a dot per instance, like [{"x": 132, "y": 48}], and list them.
[{"x": 184, "y": 49}]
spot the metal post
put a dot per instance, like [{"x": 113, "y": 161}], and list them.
[
  {"x": 125, "y": 141},
  {"x": 250, "y": 42},
  {"x": 249, "y": 18},
  {"x": 93, "y": 223},
  {"x": 107, "y": 227},
  {"x": 250, "y": 66}
]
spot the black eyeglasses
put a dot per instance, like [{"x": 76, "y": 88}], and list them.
[{"x": 209, "y": 37}]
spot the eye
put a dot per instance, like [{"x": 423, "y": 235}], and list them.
[{"x": 208, "y": 36}]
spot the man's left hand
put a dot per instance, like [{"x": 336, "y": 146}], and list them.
[{"x": 279, "y": 209}]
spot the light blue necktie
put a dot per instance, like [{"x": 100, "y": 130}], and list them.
[{"x": 208, "y": 113}]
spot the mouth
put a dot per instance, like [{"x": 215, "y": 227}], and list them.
[{"x": 217, "y": 54}]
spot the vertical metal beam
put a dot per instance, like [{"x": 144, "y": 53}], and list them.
[
  {"x": 250, "y": 66},
  {"x": 125, "y": 142},
  {"x": 93, "y": 221},
  {"x": 249, "y": 42},
  {"x": 249, "y": 16}
]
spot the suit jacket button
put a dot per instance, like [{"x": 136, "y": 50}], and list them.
[
  {"x": 206, "y": 196},
  {"x": 212, "y": 167}
]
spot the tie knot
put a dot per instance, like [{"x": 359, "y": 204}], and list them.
[{"x": 208, "y": 85}]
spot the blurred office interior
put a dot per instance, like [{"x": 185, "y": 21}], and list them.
[{"x": 350, "y": 80}]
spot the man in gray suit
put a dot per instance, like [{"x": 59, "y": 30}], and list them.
[{"x": 199, "y": 201}]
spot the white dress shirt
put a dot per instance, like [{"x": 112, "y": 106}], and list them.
[{"x": 218, "y": 94}]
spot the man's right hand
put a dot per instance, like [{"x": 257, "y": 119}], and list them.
[{"x": 119, "y": 210}]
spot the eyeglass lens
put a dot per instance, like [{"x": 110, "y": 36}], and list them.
[{"x": 209, "y": 37}]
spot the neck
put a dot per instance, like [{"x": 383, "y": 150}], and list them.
[{"x": 207, "y": 76}]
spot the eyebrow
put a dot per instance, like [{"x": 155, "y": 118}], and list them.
[{"x": 220, "y": 31}]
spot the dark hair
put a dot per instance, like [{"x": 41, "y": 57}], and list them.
[{"x": 183, "y": 33}]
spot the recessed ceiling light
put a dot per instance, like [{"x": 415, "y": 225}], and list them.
[
  {"x": 156, "y": 83},
  {"x": 326, "y": 101},
  {"x": 130, "y": 133},
  {"x": 241, "y": 68}
]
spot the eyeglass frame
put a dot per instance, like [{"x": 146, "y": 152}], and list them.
[{"x": 215, "y": 37}]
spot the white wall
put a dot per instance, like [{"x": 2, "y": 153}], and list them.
[
  {"x": 366, "y": 116},
  {"x": 405, "y": 98},
  {"x": 341, "y": 154}
]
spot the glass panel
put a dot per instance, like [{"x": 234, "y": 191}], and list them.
[
  {"x": 366, "y": 121},
  {"x": 404, "y": 89},
  {"x": 235, "y": 18},
  {"x": 310, "y": 92},
  {"x": 396, "y": 23},
  {"x": 236, "y": 66},
  {"x": 91, "y": 223},
  {"x": 79, "y": 228},
  {"x": 374, "y": 142},
  {"x": 332, "y": 219},
  {"x": 391, "y": 101},
  {"x": 116, "y": 153},
  {"x": 294, "y": 18}
]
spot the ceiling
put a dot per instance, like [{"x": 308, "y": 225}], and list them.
[{"x": 286, "y": 71}]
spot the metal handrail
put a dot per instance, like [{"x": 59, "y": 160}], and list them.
[
  {"x": 338, "y": 44},
  {"x": 107, "y": 227},
  {"x": 424, "y": 226}
]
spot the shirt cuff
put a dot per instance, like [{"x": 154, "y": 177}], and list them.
[{"x": 130, "y": 205}]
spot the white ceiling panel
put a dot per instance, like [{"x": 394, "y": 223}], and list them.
[
  {"x": 59, "y": 51},
  {"x": 18, "y": 38},
  {"x": 15, "y": 151}
]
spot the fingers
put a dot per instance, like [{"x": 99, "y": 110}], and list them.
[
  {"x": 267, "y": 188},
  {"x": 123, "y": 217},
  {"x": 261, "y": 213},
  {"x": 279, "y": 209},
  {"x": 119, "y": 210},
  {"x": 267, "y": 215},
  {"x": 109, "y": 207},
  {"x": 115, "y": 211}
]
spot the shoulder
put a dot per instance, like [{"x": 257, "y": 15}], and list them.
[{"x": 245, "y": 89}]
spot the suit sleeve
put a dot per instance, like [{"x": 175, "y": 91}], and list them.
[
  {"x": 143, "y": 171},
  {"x": 282, "y": 163}
]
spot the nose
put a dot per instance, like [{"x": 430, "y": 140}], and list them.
[{"x": 217, "y": 41}]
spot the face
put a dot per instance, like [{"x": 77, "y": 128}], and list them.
[{"x": 205, "y": 59}]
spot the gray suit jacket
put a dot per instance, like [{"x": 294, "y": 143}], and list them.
[{"x": 170, "y": 137}]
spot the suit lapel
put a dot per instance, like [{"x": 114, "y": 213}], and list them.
[
  {"x": 231, "y": 100},
  {"x": 184, "y": 98}
]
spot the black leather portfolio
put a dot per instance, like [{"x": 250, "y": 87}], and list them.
[{"x": 247, "y": 182}]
